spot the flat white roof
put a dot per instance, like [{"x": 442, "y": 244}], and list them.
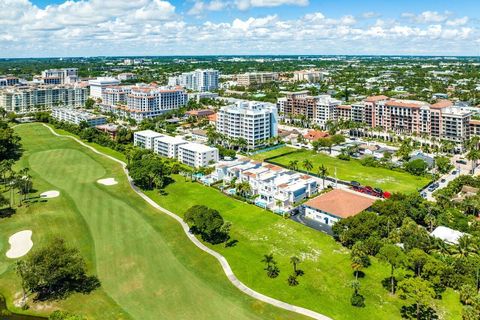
[
  {"x": 171, "y": 140},
  {"x": 446, "y": 234},
  {"x": 148, "y": 133},
  {"x": 197, "y": 147}
]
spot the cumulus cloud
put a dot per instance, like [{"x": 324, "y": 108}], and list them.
[
  {"x": 99, "y": 27},
  {"x": 247, "y": 4}
]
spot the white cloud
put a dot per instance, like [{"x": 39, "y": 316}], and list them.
[
  {"x": 458, "y": 22},
  {"x": 99, "y": 27},
  {"x": 200, "y": 7},
  {"x": 247, "y": 4}
]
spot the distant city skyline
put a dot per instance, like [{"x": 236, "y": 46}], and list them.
[{"x": 58, "y": 28}]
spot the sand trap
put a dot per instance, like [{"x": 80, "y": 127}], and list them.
[
  {"x": 50, "y": 194},
  {"x": 108, "y": 181},
  {"x": 20, "y": 244}
]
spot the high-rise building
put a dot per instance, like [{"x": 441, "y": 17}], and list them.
[
  {"x": 60, "y": 76},
  {"x": 199, "y": 80},
  {"x": 254, "y": 122}
]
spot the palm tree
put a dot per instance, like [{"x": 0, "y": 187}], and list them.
[
  {"x": 465, "y": 247},
  {"x": 243, "y": 188},
  {"x": 473, "y": 155},
  {"x": 268, "y": 260},
  {"x": 293, "y": 164},
  {"x": 323, "y": 171},
  {"x": 295, "y": 261},
  {"x": 307, "y": 164},
  {"x": 292, "y": 280}
]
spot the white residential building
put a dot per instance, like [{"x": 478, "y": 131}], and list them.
[
  {"x": 308, "y": 76},
  {"x": 167, "y": 146},
  {"x": 199, "y": 80},
  {"x": 97, "y": 86},
  {"x": 126, "y": 76},
  {"x": 78, "y": 116},
  {"x": 252, "y": 121},
  {"x": 326, "y": 110},
  {"x": 23, "y": 99},
  {"x": 197, "y": 155},
  {"x": 142, "y": 101},
  {"x": 145, "y": 139},
  {"x": 60, "y": 76}
]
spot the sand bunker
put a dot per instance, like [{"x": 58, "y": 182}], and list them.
[
  {"x": 108, "y": 181},
  {"x": 50, "y": 194},
  {"x": 20, "y": 244}
]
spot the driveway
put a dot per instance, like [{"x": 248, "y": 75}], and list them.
[{"x": 300, "y": 218}]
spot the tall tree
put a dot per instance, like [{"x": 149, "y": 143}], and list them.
[{"x": 394, "y": 256}]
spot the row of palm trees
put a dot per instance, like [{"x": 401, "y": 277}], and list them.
[{"x": 308, "y": 166}]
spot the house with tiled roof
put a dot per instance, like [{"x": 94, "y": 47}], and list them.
[{"x": 330, "y": 207}]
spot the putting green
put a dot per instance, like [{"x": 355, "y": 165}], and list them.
[{"x": 147, "y": 266}]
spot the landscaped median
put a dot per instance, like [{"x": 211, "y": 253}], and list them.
[{"x": 352, "y": 170}]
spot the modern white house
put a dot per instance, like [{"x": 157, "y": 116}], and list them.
[
  {"x": 78, "y": 116},
  {"x": 98, "y": 85},
  {"x": 145, "y": 139},
  {"x": 330, "y": 207},
  {"x": 197, "y": 155},
  {"x": 255, "y": 122},
  {"x": 167, "y": 146}
]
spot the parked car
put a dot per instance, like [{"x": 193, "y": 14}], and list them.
[
  {"x": 443, "y": 180},
  {"x": 423, "y": 195},
  {"x": 461, "y": 161},
  {"x": 454, "y": 172}
]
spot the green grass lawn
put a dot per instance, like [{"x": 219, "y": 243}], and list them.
[
  {"x": 353, "y": 170},
  {"x": 325, "y": 285},
  {"x": 147, "y": 266}
]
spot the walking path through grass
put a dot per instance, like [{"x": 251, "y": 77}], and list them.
[
  {"x": 223, "y": 262},
  {"x": 148, "y": 267}
]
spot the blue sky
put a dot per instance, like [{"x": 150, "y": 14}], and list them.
[{"x": 163, "y": 27}]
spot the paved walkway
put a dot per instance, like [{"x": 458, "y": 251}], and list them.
[{"x": 223, "y": 262}]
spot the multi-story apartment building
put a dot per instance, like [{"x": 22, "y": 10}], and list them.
[
  {"x": 325, "y": 110},
  {"x": 316, "y": 109},
  {"x": 145, "y": 139},
  {"x": 167, "y": 146},
  {"x": 125, "y": 76},
  {"x": 440, "y": 120},
  {"x": 197, "y": 155},
  {"x": 249, "y": 78},
  {"x": 143, "y": 101},
  {"x": 60, "y": 76},
  {"x": 308, "y": 76},
  {"x": 192, "y": 154},
  {"x": 199, "y": 80},
  {"x": 113, "y": 95},
  {"x": 9, "y": 81},
  {"x": 23, "y": 99},
  {"x": 97, "y": 86},
  {"x": 78, "y": 116},
  {"x": 252, "y": 121}
]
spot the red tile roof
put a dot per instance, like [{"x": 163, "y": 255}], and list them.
[
  {"x": 314, "y": 135},
  {"x": 341, "y": 203},
  {"x": 376, "y": 98},
  {"x": 442, "y": 104}
]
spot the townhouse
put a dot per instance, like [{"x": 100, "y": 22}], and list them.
[{"x": 274, "y": 186}]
